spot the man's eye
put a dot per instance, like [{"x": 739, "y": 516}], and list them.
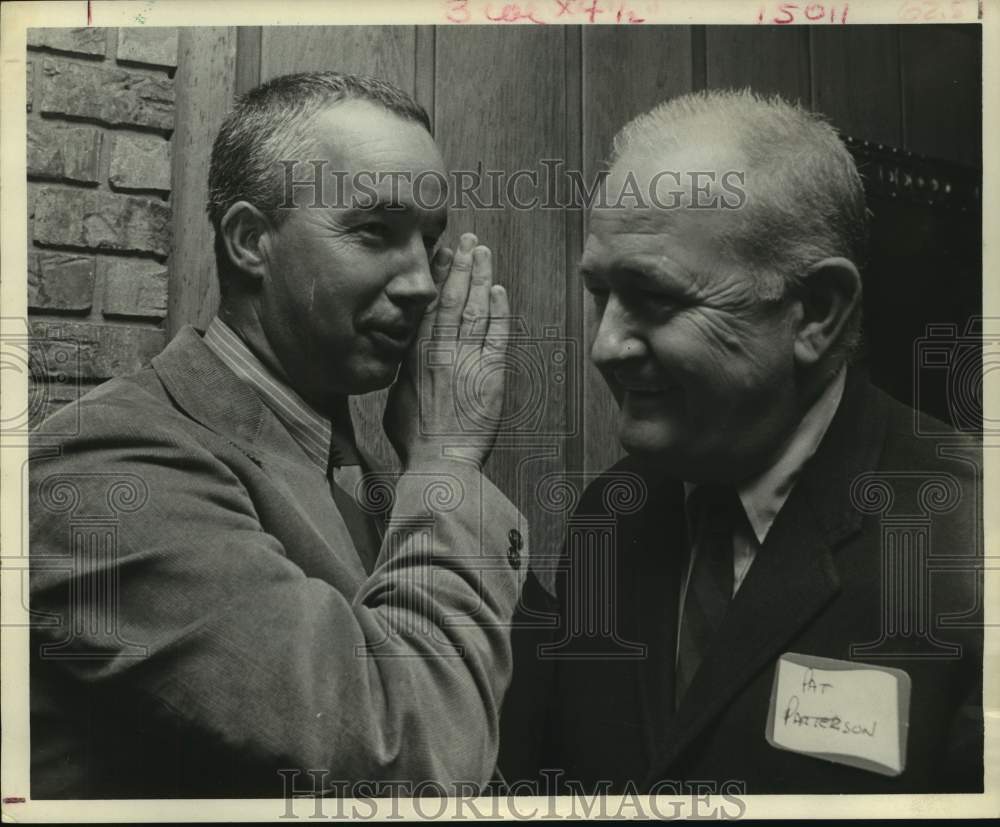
[
  {"x": 661, "y": 305},
  {"x": 374, "y": 228}
]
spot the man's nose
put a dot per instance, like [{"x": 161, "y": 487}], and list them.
[
  {"x": 617, "y": 339},
  {"x": 413, "y": 284}
]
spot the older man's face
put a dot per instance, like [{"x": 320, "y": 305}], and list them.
[
  {"x": 703, "y": 369},
  {"x": 348, "y": 286}
]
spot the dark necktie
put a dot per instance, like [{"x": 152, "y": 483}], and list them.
[
  {"x": 714, "y": 512},
  {"x": 345, "y": 474}
]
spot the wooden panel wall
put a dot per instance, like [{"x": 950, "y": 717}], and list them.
[
  {"x": 510, "y": 96},
  {"x": 765, "y": 58},
  {"x": 500, "y": 102},
  {"x": 941, "y": 74},
  {"x": 205, "y": 83},
  {"x": 859, "y": 57},
  {"x": 387, "y": 52}
]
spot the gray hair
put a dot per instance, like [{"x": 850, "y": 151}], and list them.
[
  {"x": 805, "y": 199},
  {"x": 271, "y": 123}
]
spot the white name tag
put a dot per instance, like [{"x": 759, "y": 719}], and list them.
[{"x": 840, "y": 711}]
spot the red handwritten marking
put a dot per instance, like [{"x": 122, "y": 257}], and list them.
[
  {"x": 632, "y": 17},
  {"x": 541, "y": 13},
  {"x": 511, "y": 13},
  {"x": 15, "y": 799},
  {"x": 460, "y": 8},
  {"x": 788, "y": 13},
  {"x": 931, "y": 10}
]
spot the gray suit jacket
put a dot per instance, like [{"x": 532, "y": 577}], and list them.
[{"x": 203, "y": 622}]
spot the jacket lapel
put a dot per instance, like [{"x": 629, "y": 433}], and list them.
[
  {"x": 188, "y": 368},
  {"x": 794, "y": 574},
  {"x": 234, "y": 411}
]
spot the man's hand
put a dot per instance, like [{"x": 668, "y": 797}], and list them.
[{"x": 450, "y": 387}]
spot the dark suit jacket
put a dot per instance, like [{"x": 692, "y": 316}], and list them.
[
  {"x": 600, "y": 706},
  {"x": 202, "y": 619}
]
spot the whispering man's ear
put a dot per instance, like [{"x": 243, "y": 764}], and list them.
[{"x": 243, "y": 231}]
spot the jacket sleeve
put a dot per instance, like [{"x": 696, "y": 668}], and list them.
[{"x": 147, "y": 550}]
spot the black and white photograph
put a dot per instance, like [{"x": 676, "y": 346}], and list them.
[{"x": 463, "y": 409}]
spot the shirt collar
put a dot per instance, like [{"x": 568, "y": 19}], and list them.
[
  {"x": 312, "y": 431},
  {"x": 763, "y": 496}
]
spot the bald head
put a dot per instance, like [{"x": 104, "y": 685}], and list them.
[{"x": 804, "y": 199}]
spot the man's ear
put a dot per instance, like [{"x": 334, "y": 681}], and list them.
[
  {"x": 829, "y": 294},
  {"x": 244, "y": 231}
]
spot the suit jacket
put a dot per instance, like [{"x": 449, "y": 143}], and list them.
[
  {"x": 822, "y": 583},
  {"x": 203, "y": 621}
]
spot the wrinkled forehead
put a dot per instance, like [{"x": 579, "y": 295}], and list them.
[
  {"x": 617, "y": 226},
  {"x": 692, "y": 195},
  {"x": 687, "y": 175}
]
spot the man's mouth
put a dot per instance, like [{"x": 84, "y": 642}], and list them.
[
  {"x": 642, "y": 389},
  {"x": 647, "y": 399},
  {"x": 647, "y": 390},
  {"x": 392, "y": 338}
]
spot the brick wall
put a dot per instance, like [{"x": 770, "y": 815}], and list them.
[{"x": 100, "y": 120}]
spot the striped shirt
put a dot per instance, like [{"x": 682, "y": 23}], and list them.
[{"x": 312, "y": 431}]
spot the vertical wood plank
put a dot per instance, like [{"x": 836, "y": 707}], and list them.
[
  {"x": 205, "y": 83},
  {"x": 423, "y": 73},
  {"x": 385, "y": 52},
  {"x": 765, "y": 58},
  {"x": 699, "y": 57},
  {"x": 626, "y": 71},
  {"x": 500, "y": 100},
  {"x": 942, "y": 91},
  {"x": 248, "y": 40},
  {"x": 846, "y": 59}
]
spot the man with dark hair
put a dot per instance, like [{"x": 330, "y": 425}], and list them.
[
  {"x": 758, "y": 611},
  {"x": 236, "y": 604},
  {"x": 253, "y": 154}
]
